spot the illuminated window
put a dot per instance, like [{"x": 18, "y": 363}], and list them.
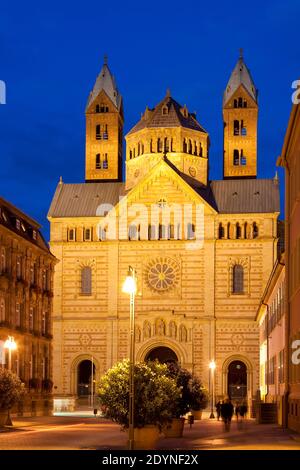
[
  {"x": 86, "y": 280},
  {"x": 87, "y": 234},
  {"x": 98, "y": 132},
  {"x": 72, "y": 235},
  {"x": 238, "y": 279},
  {"x": 98, "y": 161}
]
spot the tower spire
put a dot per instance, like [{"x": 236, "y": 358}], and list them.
[{"x": 241, "y": 53}]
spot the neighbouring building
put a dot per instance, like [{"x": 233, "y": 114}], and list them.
[
  {"x": 290, "y": 160},
  {"x": 272, "y": 318},
  {"x": 26, "y": 294},
  {"x": 203, "y": 250}
]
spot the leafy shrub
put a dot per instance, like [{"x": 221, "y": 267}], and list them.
[
  {"x": 155, "y": 393},
  {"x": 11, "y": 389}
]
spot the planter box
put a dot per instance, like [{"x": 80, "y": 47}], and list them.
[
  {"x": 175, "y": 428},
  {"x": 145, "y": 438},
  {"x": 197, "y": 414}
]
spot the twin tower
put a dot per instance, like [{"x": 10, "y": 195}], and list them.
[{"x": 169, "y": 131}]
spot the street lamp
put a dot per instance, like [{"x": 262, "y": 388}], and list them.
[
  {"x": 212, "y": 366},
  {"x": 129, "y": 287},
  {"x": 11, "y": 345}
]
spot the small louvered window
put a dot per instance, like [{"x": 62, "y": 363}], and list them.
[{"x": 86, "y": 280}]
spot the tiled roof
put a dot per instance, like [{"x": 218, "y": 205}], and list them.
[
  {"x": 174, "y": 117},
  {"x": 240, "y": 76},
  {"x": 225, "y": 196},
  {"x": 82, "y": 200},
  {"x": 246, "y": 195}
]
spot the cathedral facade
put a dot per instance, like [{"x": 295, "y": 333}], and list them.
[{"x": 203, "y": 250}]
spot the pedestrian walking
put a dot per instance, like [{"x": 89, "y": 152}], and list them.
[
  {"x": 218, "y": 409},
  {"x": 226, "y": 413}
]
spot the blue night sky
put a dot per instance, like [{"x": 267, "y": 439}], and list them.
[{"x": 52, "y": 52}]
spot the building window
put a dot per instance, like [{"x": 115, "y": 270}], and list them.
[
  {"x": 190, "y": 151},
  {"x": 86, "y": 280},
  {"x": 105, "y": 133},
  {"x": 71, "y": 235},
  {"x": 159, "y": 145},
  {"x": 238, "y": 279},
  {"x": 132, "y": 232},
  {"x": 98, "y": 132},
  {"x": 171, "y": 232},
  {"x": 243, "y": 158},
  {"x": 18, "y": 224},
  {"x": 243, "y": 129},
  {"x": 166, "y": 145},
  {"x": 3, "y": 260},
  {"x": 18, "y": 314},
  {"x": 33, "y": 274},
  {"x": 19, "y": 268},
  {"x": 44, "y": 323},
  {"x": 2, "y": 310},
  {"x": 97, "y": 108},
  {"x": 184, "y": 146},
  {"x": 236, "y": 157},
  {"x": 281, "y": 367},
  {"x": 31, "y": 319},
  {"x": 238, "y": 231},
  {"x": 151, "y": 232},
  {"x": 190, "y": 231},
  {"x": 87, "y": 234},
  {"x": 255, "y": 230},
  {"x": 165, "y": 110},
  {"x": 236, "y": 127},
  {"x": 221, "y": 231},
  {"x": 105, "y": 162},
  {"x": 151, "y": 146}
]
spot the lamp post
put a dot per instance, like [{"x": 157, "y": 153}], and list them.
[
  {"x": 11, "y": 345},
  {"x": 129, "y": 287},
  {"x": 212, "y": 366}
]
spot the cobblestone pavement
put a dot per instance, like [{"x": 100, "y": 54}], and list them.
[{"x": 96, "y": 433}]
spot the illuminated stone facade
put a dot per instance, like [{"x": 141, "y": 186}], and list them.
[{"x": 26, "y": 293}]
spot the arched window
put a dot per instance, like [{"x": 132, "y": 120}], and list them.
[
  {"x": 243, "y": 158},
  {"x": 105, "y": 162},
  {"x": 238, "y": 231},
  {"x": 87, "y": 235},
  {"x": 184, "y": 146},
  {"x": 151, "y": 232},
  {"x": 235, "y": 103},
  {"x": 240, "y": 102},
  {"x": 221, "y": 233},
  {"x": 171, "y": 231},
  {"x": 161, "y": 232},
  {"x": 98, "y": 132},
  {"x": 255, "y": 230},
  {"x": 159, "y": 145},
  {"x": 151, "y": 146},
  {"x": 130, "y": 154},
  {"x": 97, "y": 108},
  {"x": 195, "y": 148},
  {"x": 190, "y": 231},
  {"x": 132, "y": 232},
  {"x": 238, "y": 279},
  {"x": 236, "y": 157},
  {"x": 243, "y": 129},
  {"x": 139, "y": 149},
  {"x": 201, "y": 150},
  {"x": 246, "y": 230},
  {"x": 236, "y": 127},
  {"x": 105, "y": 133},
  {"x": 190, "y": 147},
  {"x": 71, "y": 235},
  {"x": 86, "y": 280},
  {"x": 98, "y": 161},
  {"x": 142, "y": 148},
  {"x": 166, "y": 145}
]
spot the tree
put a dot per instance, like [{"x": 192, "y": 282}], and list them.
[
  {"x": 11, "y": 389},
  {"x": 155, "y": 392}
]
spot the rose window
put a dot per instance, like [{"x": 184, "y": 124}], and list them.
[{"x": 162, "y": 274}]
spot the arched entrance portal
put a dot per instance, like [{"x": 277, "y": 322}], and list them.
[
  {"x": 84, "y": 378},
  {"x": 162, "y": 354},
  {"x": 237, "y": 380}
]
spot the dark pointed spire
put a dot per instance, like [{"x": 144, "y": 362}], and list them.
[{"x": 106, "y": 81}]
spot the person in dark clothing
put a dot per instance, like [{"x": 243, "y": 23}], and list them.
[
  {"x": 226, "y": 413},
  {"x": 218, "y": 408},
  {"x": 237, "y": 411},
  {"x": 243, "y": 410}
]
